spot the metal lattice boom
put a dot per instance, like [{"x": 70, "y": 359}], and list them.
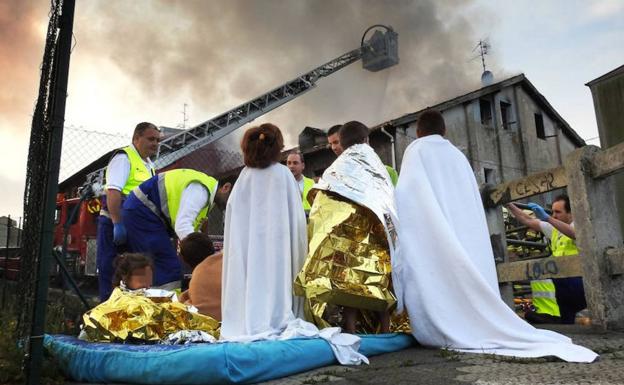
[{"x": 179, "y": 145}]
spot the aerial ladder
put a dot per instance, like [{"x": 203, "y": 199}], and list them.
[{"x": 377, "y": 53}]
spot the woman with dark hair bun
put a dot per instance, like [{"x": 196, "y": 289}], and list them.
[
  {"x": 264, "y": 246},
  {"x": 265, "y": 242},
  {"x": 262, "y": 145}
]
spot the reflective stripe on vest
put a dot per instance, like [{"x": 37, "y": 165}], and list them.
[
  {"x": 561, "y": 244},
  {"x": 171, "y": 185},
  {"x": 138, "y": 174},
  {"x": 307, "y": 186},
  {"x": 148, "y": 203},
  {"x": 544, "y": 297}
]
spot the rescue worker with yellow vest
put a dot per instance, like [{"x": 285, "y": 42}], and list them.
[
  {"x": 333, "y": 142},
  {"x": 172, "y": 203},
  {"x": 128, "y": 167},
  {"x": 555, "y": 300},
  {"x": 296, "y": 165}
]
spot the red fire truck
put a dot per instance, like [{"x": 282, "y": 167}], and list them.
[{"x": 81, "y": 232}]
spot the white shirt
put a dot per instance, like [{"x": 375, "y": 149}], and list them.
[
  {"x": 547, "y": 228},
  {"x": 194, "y": 199},
  {"x": 118, "y": 170},
  {"x": 301, "y": 184}
]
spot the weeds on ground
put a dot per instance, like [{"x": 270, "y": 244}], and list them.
[
  {"x": 12, "y": 351},
  {"x": 449, "y": 354},
  {"x": 407, "y": 363},
  {"x": 519, "y": 360}
]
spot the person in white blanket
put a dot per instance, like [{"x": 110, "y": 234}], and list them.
[
  {"x": 445, "y": 266},
  {"x": 264, "y": 247}
]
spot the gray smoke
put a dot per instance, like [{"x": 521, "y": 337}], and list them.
[{"x": 226, "y": 52}]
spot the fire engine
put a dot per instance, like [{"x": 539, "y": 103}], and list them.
[{"x": 75, "y": 230}]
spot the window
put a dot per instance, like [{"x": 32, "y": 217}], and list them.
[
  {"x": 57, "y": 215},
  {"x": 539, "y": 126},
  {"x": 505, "y": 109},
  {"x": 488, "y": 175},
  {"x": 486, "y": 112},
  {"x": 70, "y": 210}
]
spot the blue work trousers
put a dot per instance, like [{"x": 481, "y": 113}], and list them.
[
  {"x": 105, "y": 254},
  {"x": 148, "y": 234}
]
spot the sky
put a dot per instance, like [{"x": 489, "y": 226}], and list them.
[{"x": 142, "y": 60}]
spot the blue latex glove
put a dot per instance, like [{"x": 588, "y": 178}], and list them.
[
  {"x": 119, "y": 234},
  {"x": 539, "y": 211}
]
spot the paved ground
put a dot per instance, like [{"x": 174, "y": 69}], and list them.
[{"x": 433, "y": 366}]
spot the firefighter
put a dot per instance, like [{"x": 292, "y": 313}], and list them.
[
  {"x": 128, "y": 167},
  {"x": 296, "y": 165},
  {"x": 557, "y": 300},
  {"x": 172, "y": 203}
]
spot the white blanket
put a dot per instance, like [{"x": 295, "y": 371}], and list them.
[
  {"x": 445, "y": 264},
  {"x": 265, "y": 245}
]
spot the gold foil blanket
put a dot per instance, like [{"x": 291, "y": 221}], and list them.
[
  {"x": 132, "y": 316},
  {"x": 348, "y": 262}
]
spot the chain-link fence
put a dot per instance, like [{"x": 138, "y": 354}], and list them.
[{"x": 83, "y": 147}]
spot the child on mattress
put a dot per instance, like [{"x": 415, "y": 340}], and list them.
[
  {"x": 204, "y": 291},
  {"x": 133, "y": 271}
]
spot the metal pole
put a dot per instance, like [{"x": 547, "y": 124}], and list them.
[
  {"x": 72, "y": 282},
  {"x": 59, "y": 93},
  {"x": 6, "y": 261},
  {"x": 19, "y": 233}
]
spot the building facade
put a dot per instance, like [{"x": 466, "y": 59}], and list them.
[{"x": 506, "y": 130}]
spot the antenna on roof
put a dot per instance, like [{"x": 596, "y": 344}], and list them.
[
  {"x": 484, "y": 46},
  {"x": 184, "y": 118}
]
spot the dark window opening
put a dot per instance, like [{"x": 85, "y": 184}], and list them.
[
  {"x": 68, "y": 213},
  {"x": 506, "y": 115},
  {"x": 488, "y": 175},
  {"x": 486, "y": 112},
  {"x": 57, "y": 215},
  {"x": 539, "y": 126}
]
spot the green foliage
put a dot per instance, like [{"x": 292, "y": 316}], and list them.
[
  {"x": 12, "y": 350},
  {"x": 449, "y": 354}
]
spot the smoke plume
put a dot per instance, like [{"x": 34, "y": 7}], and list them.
[{"x": 225, "y": 53}]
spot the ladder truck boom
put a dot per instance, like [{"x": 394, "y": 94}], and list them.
[
  {"x": 181, "y": 144},
  {"x": 377, "y": 53}
]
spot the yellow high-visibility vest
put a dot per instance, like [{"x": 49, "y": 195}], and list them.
[
  {"x": 561, "y": 245},
  {"x": 544, "y": 299},
  {"x": 307, "y": 186},
  {"x": 139, "y": 173},
  {"x": 544, "y": 293},
  {"x": 394, "y": 176},
  {"x": 171, "y": 185}
]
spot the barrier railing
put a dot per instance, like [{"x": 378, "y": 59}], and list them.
[{"x": 585, "y": 173}]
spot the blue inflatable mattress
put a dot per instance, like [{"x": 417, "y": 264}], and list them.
[{"x": 226, "y": 363}]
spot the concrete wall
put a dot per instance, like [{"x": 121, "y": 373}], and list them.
[
  {"x": 608, "y": 95},
  {"x": 13, "y": 233},
  {"x": 506, "y": 152}
]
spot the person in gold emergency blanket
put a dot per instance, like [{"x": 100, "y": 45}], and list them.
[{"x": 346, "y": 275}]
